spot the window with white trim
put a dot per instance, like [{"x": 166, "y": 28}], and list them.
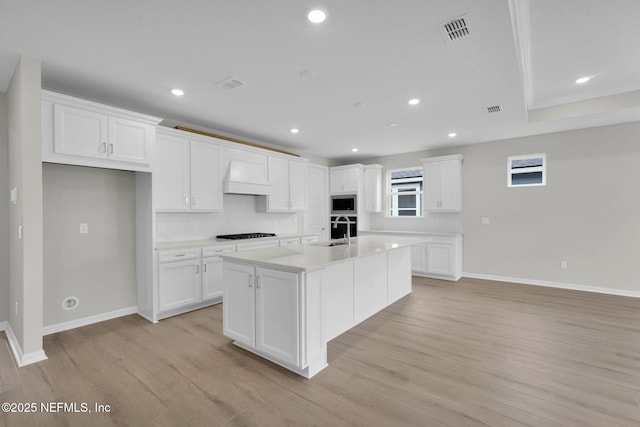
[
  {"x": 405, "y": 192},
  {"x": 527, "y": 171}
]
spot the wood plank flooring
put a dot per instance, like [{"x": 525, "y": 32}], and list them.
[{"x": 470, "y": 353}]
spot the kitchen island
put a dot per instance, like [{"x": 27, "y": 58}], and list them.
[{"x": 286, "y": 303}]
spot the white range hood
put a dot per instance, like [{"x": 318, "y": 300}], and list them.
[{"x": 245, "y": 177}]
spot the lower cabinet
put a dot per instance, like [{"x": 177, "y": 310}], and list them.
[
  {"x": 261, "y": 311},
  {"x": 440, "y": 257},
  {"x": 189, "y": 279},
  {"x": 370, "y": 286}
]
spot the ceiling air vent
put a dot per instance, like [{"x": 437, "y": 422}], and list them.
[
  {"x": 494, "y": 109},
  {"x": 455, "y": 29},
  {"x": 230, "y": 83}
]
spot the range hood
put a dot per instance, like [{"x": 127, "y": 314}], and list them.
[{"x": 243, "y": 177}]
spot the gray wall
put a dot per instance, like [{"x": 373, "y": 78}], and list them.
[
  {"x": 587, "y": 214},
  {"x": 99, "y": 268},
  {"x": 4, "y": 211}
]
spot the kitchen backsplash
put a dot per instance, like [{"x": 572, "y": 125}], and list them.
[{"x": 239, "y": 216}]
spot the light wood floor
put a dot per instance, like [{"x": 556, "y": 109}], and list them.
[{"x": 453, "y": 354}]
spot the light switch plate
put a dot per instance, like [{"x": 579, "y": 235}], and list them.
[
  {"x": 14, "y": 196},
  {"x": 84, "y": 228}
]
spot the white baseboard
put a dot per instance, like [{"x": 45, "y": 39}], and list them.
[
  {"x": 72, "y": 324},
  {"x": 560, "y": 285},
  {"x": 21, "y": 358}
]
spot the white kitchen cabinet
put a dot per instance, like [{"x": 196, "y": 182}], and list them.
[
  {"x": 373, "y": 188},
  {"x": 238, "y": 310},
  {"x": 277, "y": 316},
  {"x": 186, "y": 174},
  {"x": 179, "y": 281},
  {"x": 440, "y": 257},
  {"x": 288, "y": 186},
  {"x": 370, "y": 285},
  {"x": 442, "y": 178},
  {"x": 84, "y": 133},
  {"x": 212, "y": 279},
  {"x": 290, "y": 241},
  {"x": 261, "y": 311},
  {"x": 345, "y": 179}
]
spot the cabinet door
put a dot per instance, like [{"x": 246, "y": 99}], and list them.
[
  {"x": 212, "y": 285},
  {"x": 351, "y": 180},
  {"x": 206, "y": 182},
  {"x": 178, "y": 284},
  {"x": 297, "y": 186},
  {"x": 278, "y": 199},
  {"x": 370, "y": 285},
  {"x": 79, "y": 133},
  {"x": 277, "y": 315},
  {"x": 239, "y": 308},
  {"x": 130, "y": 141},
  {"x": 316, "y": 217},
  {"x": 431, "y": 186},
  {"x": 450, "y": 185},
  {"x": 440, "y": 258},
  {"x": 398, "y": 273},
  {"x": 372, "y": 189},
  {"x": 336, "y": 181},
  {"x": 171, "y": 173}
]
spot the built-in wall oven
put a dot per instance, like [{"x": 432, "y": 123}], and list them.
[
  {"x": 340, "y": 224},
  {"x": 344, "y": 204}
]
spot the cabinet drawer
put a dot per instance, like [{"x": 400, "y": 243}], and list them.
[
  {"x": 218, "y": 249},
  {"x": 442, "y": 240},
  {"x": 178, "y": 254},
  {"x": 290, "y": 241}
]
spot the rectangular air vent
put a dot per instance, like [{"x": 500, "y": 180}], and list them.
[
  {"x": 494, "y": 109},
  {"x": 455, "y": 29},
  {"x": 230, "y": 83}
]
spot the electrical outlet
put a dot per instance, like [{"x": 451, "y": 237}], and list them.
[
  {"x": 84, "y": 228},
  {"x": 485, "y": 221},
  {"x": 563, "y": 265}
]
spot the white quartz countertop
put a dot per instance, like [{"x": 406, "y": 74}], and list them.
[
  {"x": 316, "y": 256},
  {"x": 409, "y": 233}
]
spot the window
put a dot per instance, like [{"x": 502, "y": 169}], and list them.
[
  {"x": 405, "y": 192},
  {"x": 527, "y": 171}
]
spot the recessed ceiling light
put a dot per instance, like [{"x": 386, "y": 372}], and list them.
[
  {"x": 317, "y": 16},
  {"x": 414, "y": 101},
  {"x": 294, "y": 130},
  {"x": 452, "y": 134},
  {"x": 355, "y": 150},
  {"x": 307, "y": 74},
  {"x": 582, "y": 80},
  {"x": 393, "y": 125},
  {"x": 177, "y": 92}
]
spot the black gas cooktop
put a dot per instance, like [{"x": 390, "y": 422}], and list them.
[{"x": 245, "y": 236}]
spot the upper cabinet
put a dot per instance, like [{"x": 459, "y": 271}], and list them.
[
  {"x": 373, "y": 188},
  {"x": 85, "y": 133},
  {"x": 345, "y": 179},
  {"x": 442, "y": 183},
  {"x": 287, "y": 178},
  {"x": 186, "y": 175}
]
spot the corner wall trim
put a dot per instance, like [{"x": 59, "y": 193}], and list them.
[
  {"x": 72, "y": 324},
  {"x": 559, "y": 285},
  {"x": 21, "y": 358}
]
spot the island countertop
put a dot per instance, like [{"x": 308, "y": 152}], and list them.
[{"x": 318, "y": 255}]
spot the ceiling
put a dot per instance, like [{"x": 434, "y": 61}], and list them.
[{"x": 344, "y": 83}]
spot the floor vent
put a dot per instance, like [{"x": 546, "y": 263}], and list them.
[
  {"x": 456, "y": 29},
  {"x": 494, "y": 109},
  {"x": 230, "y": 83}
]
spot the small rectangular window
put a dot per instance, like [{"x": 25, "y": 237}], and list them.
[
  {"x": 405, "y": 192},
  {"x": 527, "y": 171}
]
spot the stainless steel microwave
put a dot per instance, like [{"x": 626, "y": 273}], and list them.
[{"x": 344, "y": 204}]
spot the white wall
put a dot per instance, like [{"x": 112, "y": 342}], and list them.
[
  {"x": 4, "y": 211},
  {"x": 99, "y": 267},
  {"x": 239, "y": 216},
  {"x": 587, "y": 214},
  {"x": 25, "y": 174}
]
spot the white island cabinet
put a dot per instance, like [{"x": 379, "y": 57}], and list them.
[{"x": 285, "y": 303}]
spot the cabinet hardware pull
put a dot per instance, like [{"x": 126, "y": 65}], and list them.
[
  {"x": 251, "y": 280},
  {"x": 103, "y": 147},
  {"x": 186, "y": 200},
  {"x": 204, "y": 268},
  {"x": 110, "y": 148},
  {"x": 179, "y": 255},
  {"x": 193, "y": 201},
  {"x": 197, "y": 269},
  {"x": 258, "y": 284}
]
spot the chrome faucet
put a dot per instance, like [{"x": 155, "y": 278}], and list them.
[{"x": 348, "y": 235}]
